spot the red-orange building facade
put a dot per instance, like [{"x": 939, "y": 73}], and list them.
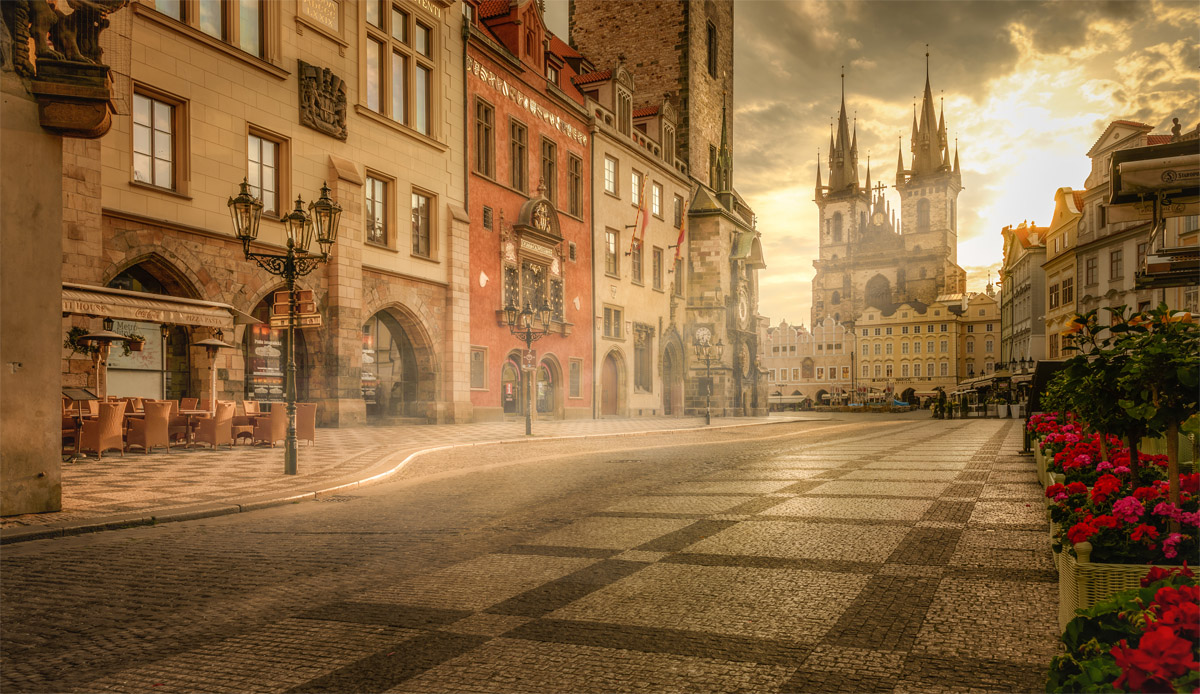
[{"x": 529, "y": 204}]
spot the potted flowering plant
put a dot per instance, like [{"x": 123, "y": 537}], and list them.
[
  {"x": 1139, "y": 640},
  {"x": 135, "y": 342}
]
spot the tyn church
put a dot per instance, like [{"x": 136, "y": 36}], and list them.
[{"x": 868, "y": 256}]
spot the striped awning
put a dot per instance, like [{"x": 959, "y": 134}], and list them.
[{"x": 121, "y": 304}]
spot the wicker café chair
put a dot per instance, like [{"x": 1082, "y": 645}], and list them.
[
  {"x": 93, "y": 408},
  {"x": 153, "y": 430},
  {"x": 250, "y": 407},
  {"x": 306, "y": 422},
  {"x": 106, "y": 432},
  {"x": 271, "y": 427},
  {"x": 189, "y": 403},
  {"x": 217, "y": 430}
]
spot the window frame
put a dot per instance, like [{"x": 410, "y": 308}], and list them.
[
  {"x": 677, "y": 220},
  {"x": 231, "y": 20},
  {"x": 656, "y": 268},
  {"x": 614, "y": 317},
  {"x": 711, "y": 45},
  {"x": 549, "y": 151},
  {"x": 485, "y": 138},
  {"x": 414, "y": 63},
  {"x": 574, "y": 185},
  {"x": 389, "y": 205},
  {"x": 575, "y": 378},
  {"x": 1116, "y": 264},
  {"x": 282, "y": 167},
  {"x": 635, "y": 262},
  {"x": 180, "y": 153},
  {"x": 656, "y": 194},
  {"x": 430, "y": 235},
  {"x": 518, "y": 150},
  {"x": 615, "y": 178},
  {"x": 612, "y": 253}
]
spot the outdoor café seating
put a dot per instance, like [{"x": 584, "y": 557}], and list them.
[
  {"x": 151, "y": 430},
  {"x": 217, "y": 430},
  {"x": 271, "y": 427},
  {"x": 306, "y": 422},
  {"x": 106, "y": 432}
]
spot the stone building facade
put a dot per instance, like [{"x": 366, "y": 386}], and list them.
[
  {"x": 1059, "y": 270},
  {"x": 640, "y": 193},
  {"x": 530, "y": 192},
  {"x": 289, "y": 96},
  {"x": 809, "y": 365},
  {"x": 870, "y": 258},
  {"x": 1022, "y": 303},
  {"x": 685, "y": 50}
]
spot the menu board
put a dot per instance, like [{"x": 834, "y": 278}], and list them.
[
  {"x": 264, "y": 363},
  {"x": 151, "y": 356}
]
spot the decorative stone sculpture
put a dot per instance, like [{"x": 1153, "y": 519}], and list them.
[{"x": 322, "y": 100}]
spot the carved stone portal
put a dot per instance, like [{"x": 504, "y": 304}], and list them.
[{"x": 322, "y": 100}]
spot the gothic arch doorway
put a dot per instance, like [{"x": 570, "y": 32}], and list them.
[
  {"x": 879, "y": 292},
  {"x": 672, "y": 376},
  {"x": 548, "y": 389},
  {"x": 611, "y": 376},
  {"x": 266, "y": 358},
  {"x": 399, "y": 373},
  {"x": 511, "y": 387}
]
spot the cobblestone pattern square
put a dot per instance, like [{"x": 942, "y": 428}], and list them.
[
  {"x": 887, "y": 616},
  {"x": 860, "y": 488},
  {"x": 1026, "y": 633},
  {"x": 926, "y": 546},
  {"x": 850, "y": 508},
  {"x": 804, "y": 540}
]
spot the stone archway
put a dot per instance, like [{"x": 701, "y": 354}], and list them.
[
  {"x": 548, "y": 389},
  {"x": 400, "y": 369},
  {"x": 878, "y": 292},
  {"x": 672, "y": 380}
]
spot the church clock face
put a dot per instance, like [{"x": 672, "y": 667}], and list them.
[{"x": 703, "y": 336}]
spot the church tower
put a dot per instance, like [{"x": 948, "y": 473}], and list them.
[
  {"x": 929, "y": 190},
  {"x": 844, "y": 210}
]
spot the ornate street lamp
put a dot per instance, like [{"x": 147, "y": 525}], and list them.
[
  {"x": 709, "y": 351},
  {"x": 323, "y": 218},
  {"x": 520, "y": 324}
]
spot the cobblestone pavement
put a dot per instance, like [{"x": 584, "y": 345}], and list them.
[
  {"x": 137, "y": 485},
  {"x": 858, "y": 555}
]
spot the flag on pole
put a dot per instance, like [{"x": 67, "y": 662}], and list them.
[
  {"x": 640, "y": 221},
  {"x": 679, "y": 241}
]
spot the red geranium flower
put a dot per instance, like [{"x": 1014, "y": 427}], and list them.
[
  {"x": 1160, "y": 657},
  {"x": 1143, "y": 530},
  {"x": 1054, "y": 490},
  {"x": 1157, "y": 574},
  {"x": 1076, "y": 488},
  {"x": 1105, "y": 521},
  {"x": 1081, "y": 532}
]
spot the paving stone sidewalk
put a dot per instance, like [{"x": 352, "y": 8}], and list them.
[
  {"x": 137, "y": 488},
  {"x": 911, "y": 560}
]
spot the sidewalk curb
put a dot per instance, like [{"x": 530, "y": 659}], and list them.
[{"x": 171, "y": 515}]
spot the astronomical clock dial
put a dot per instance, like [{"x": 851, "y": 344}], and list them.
[
  {"x": 703, "y": 335},
  {"x": 743, "y": 306}
]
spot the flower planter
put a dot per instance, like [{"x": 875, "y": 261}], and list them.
[
  {"x": 136, "y": 346},
  {"x": 1082, "y": 584},
  {"x": 993, "y": 410},
  {"x": 1040, "y": 460}
]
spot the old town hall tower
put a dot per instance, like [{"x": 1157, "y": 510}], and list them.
[{"x": 868, "y": 257}]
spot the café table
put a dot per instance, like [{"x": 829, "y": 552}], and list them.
[{"x": 190, "y": 414}]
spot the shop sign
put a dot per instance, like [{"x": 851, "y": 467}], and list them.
[
  {"x": 529, "y": 359},
  {"x": 302, "y": 321}
]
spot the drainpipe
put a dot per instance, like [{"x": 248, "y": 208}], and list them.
[{"x": 592, "y": 252}]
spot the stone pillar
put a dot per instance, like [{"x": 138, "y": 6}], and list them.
[
  {"x": 456, "y": 366},
  {"x": 341, "y": 335},
  {"x": 30, "y": 305}
]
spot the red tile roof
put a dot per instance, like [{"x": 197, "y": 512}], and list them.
[
  {"x": 1078, "y": 196},
  {"x": 645, "y": 111},
  {"x": 597, "y": 76},
  {"x": 560, "y": 47},
  {"x": 1132, "y": 123},
  {"x": 493, "y": 8},
  {"x": 1157, "y": 139}
]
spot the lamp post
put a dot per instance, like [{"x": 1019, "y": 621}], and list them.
[
  {"x": 211, "y": 345},
  {"x": 709, "y": 351},
  {"x": 521, "y": 325},
  {"x": 323, "y": 217}
]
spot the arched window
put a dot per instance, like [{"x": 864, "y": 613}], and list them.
[
  {"x": 836, "y": 298},
  {"x": 837, "y": 227},
  {"x": 923, "y": 214},
  {"x": 806, "y": 368}
]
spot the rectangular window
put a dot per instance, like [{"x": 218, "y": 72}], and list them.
[
  {"x": 263, "y": 172},
  {"x": 970, "y": 347},
  {"x": 485, "y": 138},
  {"x": 423, "y": 99},
  {"x": 154, "y": 142},
  {"x": 970, "y": 328},
  {"x": 575, "y": 185},
  {"x": 878, "y": 348},
  {"x": 904, "y": 348},
  {"x": 518, "y": 147},
  {"x": 904, "y": 371},
  {"x": 610, "y": 175},
  {"x": 989, "y": 327},
  {"x": 656, "y": 200},
  {"x": 795, "y": 374},
  {"x": 887, "y": 331},
  {"x": 945, "y": 346},
  {"x": 487, "y": 218},
  {"x": 887, "y": 372},
  {"x": 610, "y": 253},
  {"x": 422, "y": 206},
  {"x": 399, "y": 90},
  {"x": 399, "y": 70},
  {"x": 877, "y": 332},
  {"x": 711, "y": 43},
  {"x": 423, "y": 40},
  {"x": 1091, "y": 274},
  {"x": 988, "y": 345},
  {"x": 1054, "y": 346},
  {"x": 866, "y": 350},
  {"x": 878, "y": 370},
  {"x": 478, "y": 368},
  {"x": 845, "y": 373},
  {"x": 1141, "y": 254},
  {"x": 944, "y": 327},
  {"x": 375, "y": 215},
  {"x": 236, "y": 22},
  {"x": 677, "y": 285},
  {"x": 678, "y": 221},
  {"x": 917, "y": 347},
  {"x": 929, "y": 347},
  {"x": 866, "y": 371},
  {"x": 551, "y": 74},
  {"x": 771, "y": 375},
  {"x": 656, "y": 268},
  {"x": 1054, "y": 296},
  {"x": 945, "y": 369},
  {"x": 917, "y": 369},
  {"x": 1115, "y": 263},
  {"x": 550, "y": 169},
  {"x": 904, "y": 330},
  {"x": 888, "y": 348},
  {"x": 635, "y": 252},
  {"x": 612, "y": 322},
  {"x": 820, "y": 373},
  {"x": 636, "y": 182},
  {"x": 576, "y": 379},
  {"x": 374, "y": 75}
]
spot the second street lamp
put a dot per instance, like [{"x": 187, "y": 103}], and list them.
[
  {"x": 520, "y": 324},
  {"x": 323, "y": 217},
  {"x": 709, "y": 351}
]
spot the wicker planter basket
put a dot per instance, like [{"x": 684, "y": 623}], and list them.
[
  {"x": 1082, "y": 584},
  {"x": 1040, "y": 459}
]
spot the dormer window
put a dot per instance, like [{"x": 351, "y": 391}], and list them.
[
  {"x": 551, "y": 74},
  {"x": 668, "y": 143},
  {"x": 624, "y": 112}
]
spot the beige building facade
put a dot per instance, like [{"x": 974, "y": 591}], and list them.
[
  {"x": 1059, "y": 269},
  {"x": 364, "y": 97},
  {"x": 640, "y": 196},
  {"x": 808, "y": 364}
]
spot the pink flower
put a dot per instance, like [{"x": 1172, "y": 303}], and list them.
[
  {"x": 1121, "y": 470},
  {"x": 1190, "y": 518},
  {"x": 1084, "y": 459},
  {"x": 1128, "y": 509},
  {"x": 1166, "y": 508},
  {"x": 1169, "y": 545}
]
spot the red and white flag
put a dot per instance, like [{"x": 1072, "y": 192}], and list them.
[{"x": 640, "y": 221}]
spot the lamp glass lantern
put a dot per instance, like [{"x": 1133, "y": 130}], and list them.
[
  {"x": 526, "y": 317},
  {"x": 510, "y": 314},
  {"x": 544, "y": 314},
  {"x": 246, "y": 211},
  {"x": 299, "y": 227},
  {"x": 326, "y": 217}
]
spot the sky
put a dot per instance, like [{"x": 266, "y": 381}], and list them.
[{"x": 1028, "y": 87}]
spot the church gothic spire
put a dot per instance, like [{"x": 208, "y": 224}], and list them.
[{"x": 843, "y": 153}]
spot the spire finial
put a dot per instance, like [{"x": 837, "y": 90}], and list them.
[
  {"x": 926, "y": 62},
  {"x": 843, "y": 83}
]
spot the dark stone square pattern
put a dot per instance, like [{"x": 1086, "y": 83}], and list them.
[
  {"x": 970, "y": 674},
  {"x": 964, "y": 491},
  {"x": 836, "y": 682},
  {"x": 950, "y": 512},
  {"x": 972, "y": 476},
  {"x": 887, "y": 615},
  {"x": 406, "y": 616},
  {"x": 551, "y": 596},
  {"x": 684, "y": 537},
  {"x": 927, "y": 547},
  {"x": 386, "y": 669}
]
